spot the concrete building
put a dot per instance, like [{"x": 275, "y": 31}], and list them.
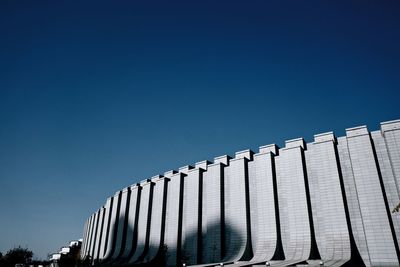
[
  {"x": 323, "y": 203},
  {"x": 67, "y": 256}
]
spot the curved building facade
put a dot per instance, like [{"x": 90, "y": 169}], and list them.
[{"x": 324, "y": 203}]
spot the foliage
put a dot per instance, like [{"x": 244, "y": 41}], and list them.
[
  {"x": 73, "y": 258},
  {"x": 185, "y": 257},
  {"x": 396, "y": 209},
  {"x": 86, "y": 262},
  {"x": 16, "y": 255}
]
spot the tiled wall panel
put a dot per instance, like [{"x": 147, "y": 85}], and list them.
[
  {"x": 131, "y": 229},
  {"x": 373, "y": 211},
  {"x": 190, "y": 216},
  {"x": 391, "y": 133},
  {"x": 84, "y": 239},
  {"x": 157, "y": 227},
  {"x": 113, "y": 226},
  {"x": 98, "y": 234},
  {"x": 353, "y": 204},
  {"x": 293, "y": 210},
  {"x": 94, "y": 237},
  {"x": 212, "y": 213},
  {"x": 106, "y": 227},
  {"x": 173, "y": 218},
  {"x": 119, "y": 246},
  {"x": 90, "y": 235},
  {"x": 388, "y": 180},
  {"x": 262, "y": 207},
  {"x": 327, "y": 203},
  {"x": 236, "y": 221},
  {"x": 143, "y": 229}
]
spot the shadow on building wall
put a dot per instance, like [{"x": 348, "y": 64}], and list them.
[
  {"x": 172, "y": 256},
  {"x": 211, "y": 247}
]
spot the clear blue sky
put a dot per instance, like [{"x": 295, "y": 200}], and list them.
[{"x": 95, "y": 95}]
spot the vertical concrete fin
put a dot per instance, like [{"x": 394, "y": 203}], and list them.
[
  {"x": 376, "y": 225},
  {"x": 202, "y": 164},
  {"x": 247, "y": 154},
  {"x": 272, "y": 148},
  {"x": 297, "y": 142},
  {"x": 222, "y": 159},
  {"x": 328, "y": 210},
  {"x": 144, "y": 219},
  {"x": 185, "y": 169},
  {"x": 293, "y": 203},
  {"x": 158, "y": 213}
]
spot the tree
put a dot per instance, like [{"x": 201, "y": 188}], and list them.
[
  {"x": 184, "y": 257},
  {"x": 396, "y": 209},
  {"x": 1, "y": 260},
  {"x": 17, "y": 255}
]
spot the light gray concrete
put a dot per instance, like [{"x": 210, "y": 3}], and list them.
[
  {"x": 131, "y": 231},
  {"x": 262, "y": 204},
  {"x": 144, "y": 220},
  {"x": 106, "y": 227},
  {"x": 98, "y": 235},
  {"x": 157, "y": 225},
  {"x": 293, "y": 210},
  {"x": 376, "y": 226},
  {"x": 327, "y": 204},
  {"x": 280, "y": 206}
]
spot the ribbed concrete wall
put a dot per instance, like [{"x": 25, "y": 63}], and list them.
[
  {"x": 98, "y": 235},
  {"x": 157, "y": 224},
  {"x": 325, "y": 202},
  {"x": 94, "y": 235},
  {"x": 121, "y": 221},
  {"x": 237, "y": 234},
  {"x": 84, "y": 238},
  {"x": 106, "y": 228},
  {"x": 212, "y": 212},
  {"x": 131, "y": 229},
  {"x": 173, "y": 224},
  {"x": 89, "y": 236},
  {"x": 263, "y": 217},
  {"x": 191, "y": 215},
  {"x": 331, "y": 231},
  {"x": 388, "y": 179},
  {"x": 113, "y": 226},
  {"x": 143, "y": 220},
  {"x": 292, "y": 196}
]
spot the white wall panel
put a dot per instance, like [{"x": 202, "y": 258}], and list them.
[
  {"x": 327, "y": 204},
  {"x": 262, "y": 204},
  {"x": 131, "y": 231},
  {"x": 292, "y": 198},
  {"x": 143, "y": 220}
]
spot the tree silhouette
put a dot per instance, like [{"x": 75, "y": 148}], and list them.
[
  {"x": 396, "y": 209},
  {"x": 16, "y": 255},
  {"x": 185, "y": 257}
]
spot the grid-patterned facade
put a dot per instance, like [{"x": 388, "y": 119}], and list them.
[
  {"x": 143, "y": 220},
  {"x": 328, "y": 202},
  {"x": 263, "y": 217}
]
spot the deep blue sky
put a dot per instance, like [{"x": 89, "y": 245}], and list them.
[{"x": 95, "y": 96}]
